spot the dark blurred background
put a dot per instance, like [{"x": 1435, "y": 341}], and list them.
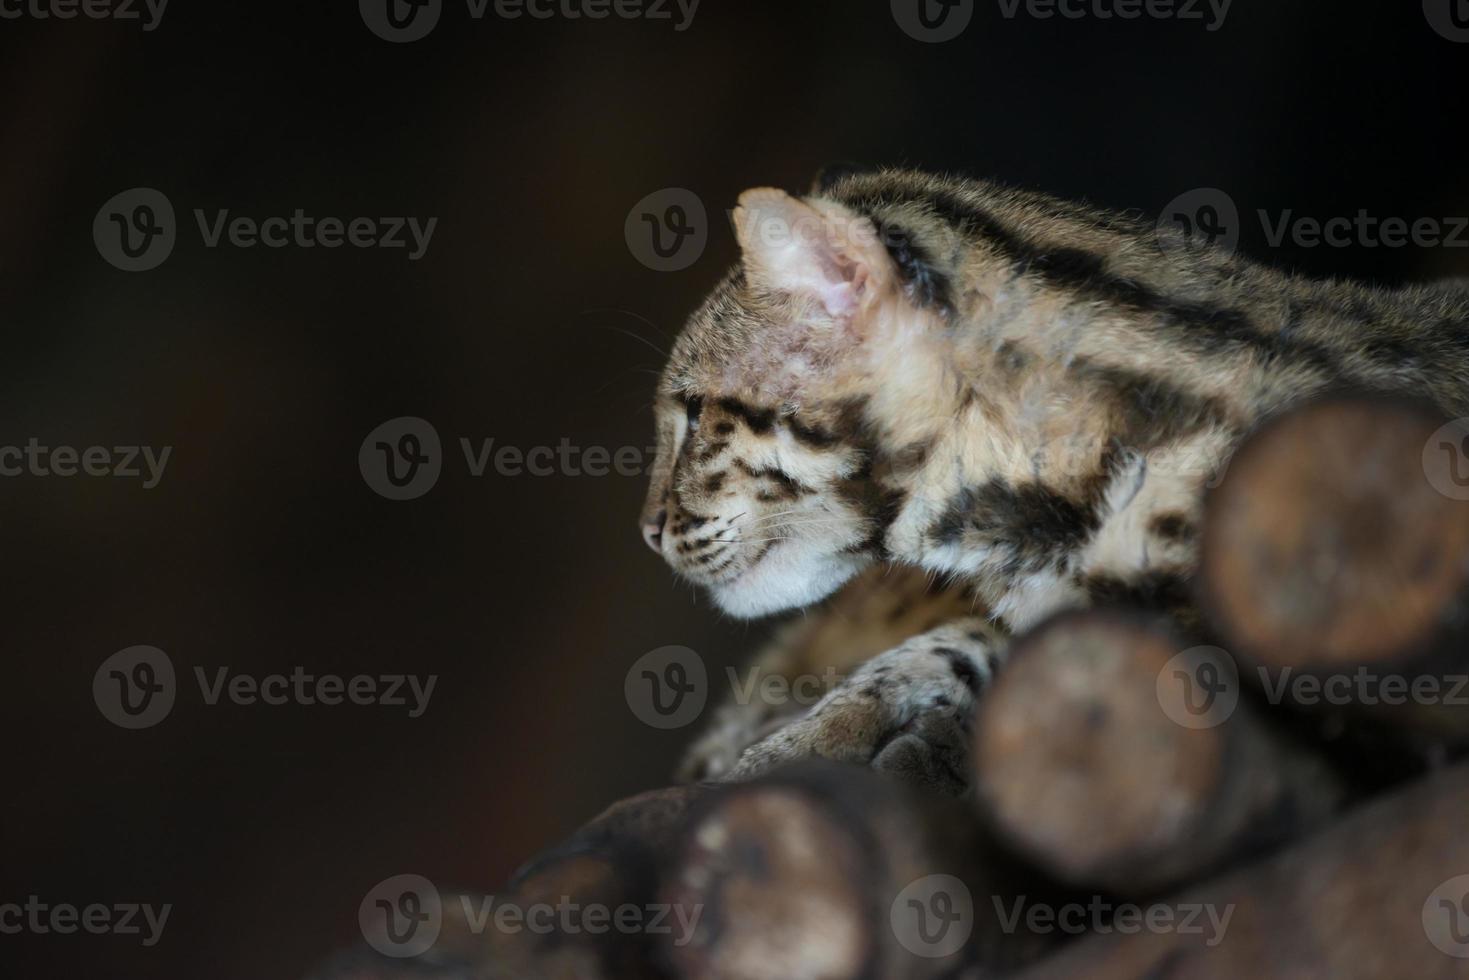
[{"x": 529, "y": 320}]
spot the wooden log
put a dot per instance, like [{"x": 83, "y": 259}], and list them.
[
  {"x": 646, "y": 822},
  {"x": 567, "y": 902},
  {"x": 825, "y": 872},
  {"x": 1382, "y": 895},
  {"x": 1117, "y": 759},
  {"x": 1335, "y": 560}
]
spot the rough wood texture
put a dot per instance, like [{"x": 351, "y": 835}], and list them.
[
  {"x": 830, "y": 872},
  {"x": 1099, "y": 756},
  {"x": 1373, "y": 898},
  {"x": 611, "y": 864},
  {"x": 1332, "y": 547}
]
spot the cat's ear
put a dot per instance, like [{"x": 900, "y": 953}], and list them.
[{"x": 823, "y": 252}]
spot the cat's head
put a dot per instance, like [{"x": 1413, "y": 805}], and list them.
[{"x": 775, "y": 481}]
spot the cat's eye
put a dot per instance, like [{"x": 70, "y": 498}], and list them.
[{"x": 695, "y": 406}]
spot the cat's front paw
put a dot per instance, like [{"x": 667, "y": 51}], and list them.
[
  {"x": 711, "y": 757},
  {"x": 906, "y": 712},
  {"x": 714, "y": 755}
]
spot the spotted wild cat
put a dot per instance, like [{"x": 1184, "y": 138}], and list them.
[{"x": 1025, "y": 395}]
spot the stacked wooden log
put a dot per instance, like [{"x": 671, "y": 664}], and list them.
[{"x": 1279, "y": 797}]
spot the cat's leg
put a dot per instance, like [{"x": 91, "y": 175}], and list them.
[
  {"x": 906, "y": 711},
  {"x": 1144, "y": 551},
  {"x": 815, "y": 652}
]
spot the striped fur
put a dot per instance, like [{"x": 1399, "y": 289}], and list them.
[
  {"x": 878, "y": 611},
  {"x": 1026, "y": 394}
]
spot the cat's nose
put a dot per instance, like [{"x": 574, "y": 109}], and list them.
[{"x": 653, "y": 531}]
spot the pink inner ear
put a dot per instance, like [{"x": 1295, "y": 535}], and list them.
[
  {"x": 790, "y": 247},
  {"x": 842, "y": 296}
]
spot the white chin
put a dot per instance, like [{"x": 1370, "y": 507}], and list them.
[{"x": 787, "y": 578}]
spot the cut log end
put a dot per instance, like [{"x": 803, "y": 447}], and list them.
[
  {"x": 1331, "y": 541},
  {"x": 1081, "y": 703},
  {"x": 779, "y": 887},
  {"x": 1115, "y": 757}
]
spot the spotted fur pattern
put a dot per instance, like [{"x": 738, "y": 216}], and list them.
[
  {"x": 1022, "y": 394},
  {"x": 826, "y": 649}
]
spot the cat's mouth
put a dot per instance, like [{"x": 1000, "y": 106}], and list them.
[
  {"x": 758, "y": 576},
  {"x": 719, "y": 556}
]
